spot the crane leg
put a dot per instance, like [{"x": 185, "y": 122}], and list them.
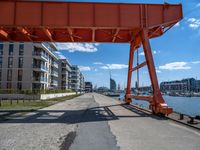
[{"x": 157, "y": 105}]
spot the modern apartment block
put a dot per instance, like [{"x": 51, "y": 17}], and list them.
[
  {"x": 77, "y": 79},
  {"x": 88, "y": 87},
  {"x": 64, "y": 71},
  {"x": 28, "y": 66},
  {"x": 82, "y": 83},
  {"x": 185, "y": 85}
]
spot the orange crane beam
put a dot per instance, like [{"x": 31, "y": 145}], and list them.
[
  {"x": 39, "y": 21},
  {"x": 90, "y": 22}
]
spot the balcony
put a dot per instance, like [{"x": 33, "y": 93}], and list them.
[
  {"x": 40, "y": 68},
  {"x": 40, "y": 55},
  {"x": 39, "y": 79},
  {"x": 54, "y": 64},
  {"x": 54, "y": 73},
  {"x": 54, "y": 83}
]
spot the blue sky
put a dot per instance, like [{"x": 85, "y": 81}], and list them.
[{"x": 176, "y": 54}]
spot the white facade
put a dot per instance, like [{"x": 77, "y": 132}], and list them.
[
  {"x": 26, "y": 66},
  {"x": 64, "y": 74}
]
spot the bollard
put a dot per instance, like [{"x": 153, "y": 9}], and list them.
[
  {"x": 191, "y": 121},
  {"x": 197, "y": 117},
  {"x": 0, "y": 102},
  {"x": 10, "y": 101},
  {"x": 181, "y": 117}
]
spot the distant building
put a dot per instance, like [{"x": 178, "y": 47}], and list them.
[
  {"x": 28, "y": 66},
  {"x": 82, "y": 83},
  {"x": 64, "y": 74},
  {"x": 197, "y": 85},
  {"x": 102, "y": 89},
  {"x": 179, "y": 86},
  {"x": 75, "y": 78},
  {"x": 113, "y": 85},
  {"x": 88, "y": 87}
]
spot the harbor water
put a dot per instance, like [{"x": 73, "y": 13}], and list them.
[{"x": 185, "y": 105}]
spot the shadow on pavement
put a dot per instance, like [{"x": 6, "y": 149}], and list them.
[{"x": 93, "y": 114}]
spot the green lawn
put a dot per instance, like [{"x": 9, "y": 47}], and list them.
[{"x": 32, "y": 104}]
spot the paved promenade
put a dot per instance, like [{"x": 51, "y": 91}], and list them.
[{"x": 95, "y": 122}]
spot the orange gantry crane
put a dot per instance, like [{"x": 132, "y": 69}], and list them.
[{"x": 40, "y": 21}]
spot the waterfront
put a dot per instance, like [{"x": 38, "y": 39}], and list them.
[{"x": 185, "y": 105}]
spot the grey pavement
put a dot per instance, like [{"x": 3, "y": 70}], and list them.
[{"x": 95, "y": 122}]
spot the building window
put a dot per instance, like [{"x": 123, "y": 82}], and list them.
[
  {"x": 20, "y": 72},
  {"x": 9, "y": 85},
  {"x": 9, "y": 75},
  {"x": 1, "y": 62},
  {"x": 11, "y": 48},
  {"x": 10, "y": 62},
  {"x": 20, "y": 62},
  {"x": 21, "y": 49},
  {"x": 19, "y": 86},
  {"x": 1, "y": 49}
]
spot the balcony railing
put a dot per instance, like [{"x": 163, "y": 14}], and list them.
[
  {"x": 54, "y": 64},
  {"x": 54, "y": 82},
  {"x": 54, "y": 73},
  {"x": 40, "y": 54},
  {"x": 40, "y": 67},
  {"x": 40, "y": 79}
]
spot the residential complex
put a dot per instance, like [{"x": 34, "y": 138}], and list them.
[
  {"x": 181, "y": 86},
  {"x": 30, "y": 66},
  {"x": 64, "y": 81},
  {"x": 77, "y": 79}
]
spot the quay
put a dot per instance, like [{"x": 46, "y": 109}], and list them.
[{"x": 95, "y": 122}]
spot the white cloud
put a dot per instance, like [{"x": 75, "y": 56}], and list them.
[
  {"x": 193, "y": 23},
  {"x": 85, "y": 68},
  {"x": 177, "y": 24},
  {"x": 114, "y": 66},
  {"x": 154, "y": 52},
  {"x": 80, "y": 47},
  {"x": 60, "y": 55},
  {"x": 195, "y": 62},
  {"x": 158, "y": 71},
  {"x": 198, "y": 5},
  {"x": 98, "y": 63},
  {"x": 175, "y": 66}
]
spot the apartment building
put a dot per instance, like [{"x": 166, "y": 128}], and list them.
[
  {"x": 64, "y": 72},
  {"x": 181, "y": 86},
  {"x": 82, "y": 83},
  {"x": 88, "y": 87},
  {"x": 28, "y": 66},
  {"x": 75, "y": 78}
]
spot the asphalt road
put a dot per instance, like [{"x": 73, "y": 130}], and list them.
[{"x": 94, "y": 122}]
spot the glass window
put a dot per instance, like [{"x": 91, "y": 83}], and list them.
[
  {"x": 0, "y": 75},
  {"x": 1, "y": 49},
  {"x": 20, "y": 72},
  {"x": 1, "y": 62},
  {"x": 10, "y": 62},
  {"x": 11, "y": 47},
  {"x": 21, "y": 49},
  {"x": 9, "y": 75},
  {"x": 9, "y": 85},
  {"x": 19, "y": 86},
  {"x": 20, "y": 63}
]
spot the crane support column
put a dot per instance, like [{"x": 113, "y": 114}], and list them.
[
  {"x": 157, "y": 104},
  {"x": 130, "y": 66}
]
